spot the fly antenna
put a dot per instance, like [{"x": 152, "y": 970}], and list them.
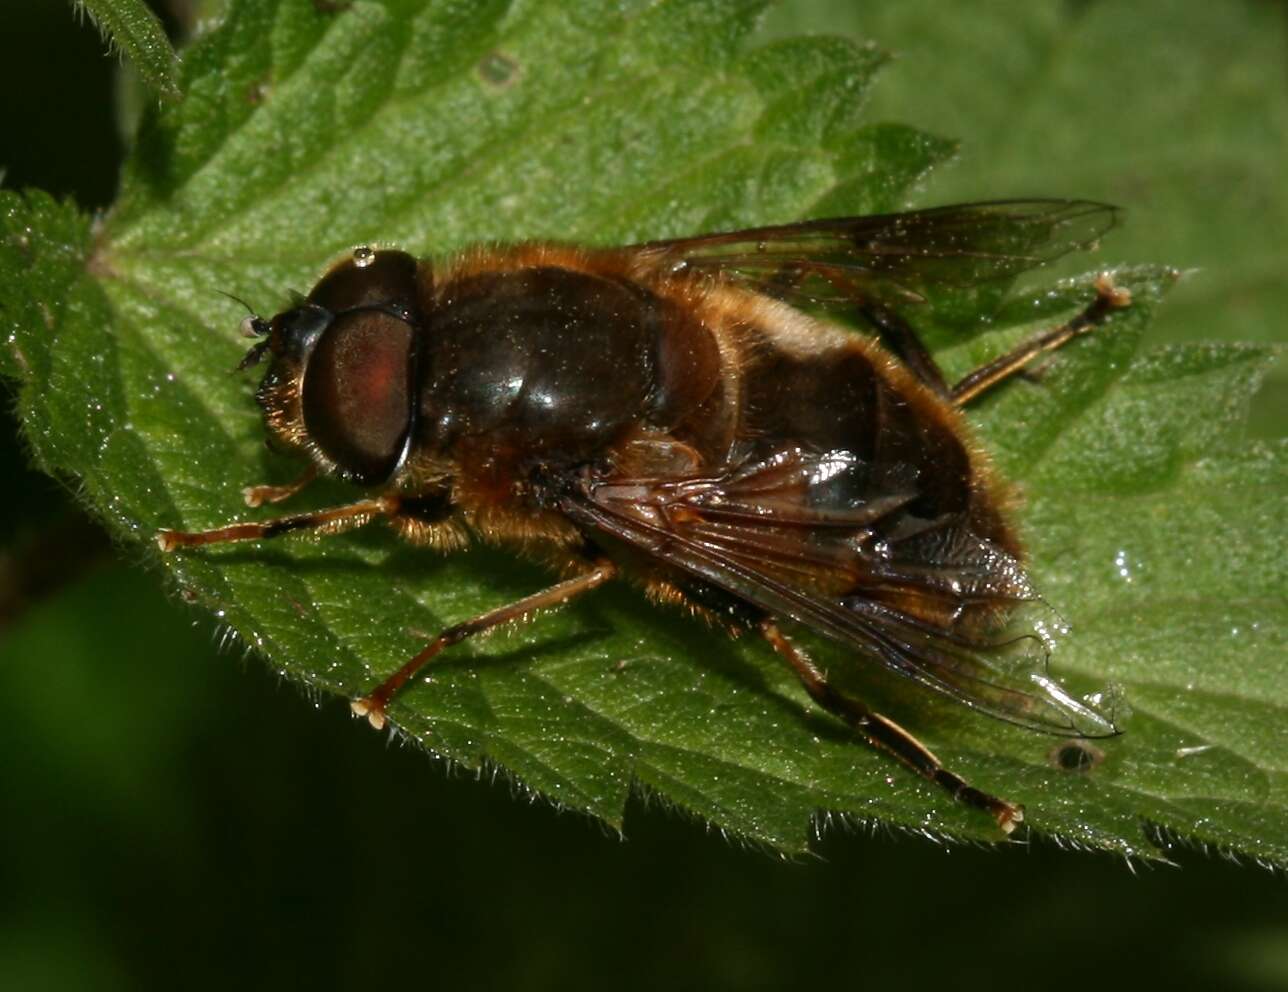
[
  {"x": 237, "y": 299},
  {"x": 252, "y": 325}
]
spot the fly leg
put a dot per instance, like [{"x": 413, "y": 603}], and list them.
[
  {"x": 1108, "y": 299},
  {"x": 886, "y": 735},
  {"x": 902, "y": 339},
  {"x": 896, "y": 334},
  {"x": 373, "y": 706},
  {"x": 330, "y": 521},
  {"x": 259, "y": 495}
]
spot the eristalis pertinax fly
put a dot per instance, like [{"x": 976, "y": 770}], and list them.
[{"x": 666, "y": 412}]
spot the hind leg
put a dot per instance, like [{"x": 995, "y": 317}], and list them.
[
  {"x": 886, "y": 735},
  {"x": 902, "y": 339}
]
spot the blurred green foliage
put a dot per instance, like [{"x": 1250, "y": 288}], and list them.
[
  {"x": 1175, "y": 109},
  {"x": 174, "y": 815}
]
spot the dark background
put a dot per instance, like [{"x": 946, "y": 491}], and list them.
[{"x": 172, "y": 815}]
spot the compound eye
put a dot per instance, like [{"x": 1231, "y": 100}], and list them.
[{"x": 357, "y": 405}]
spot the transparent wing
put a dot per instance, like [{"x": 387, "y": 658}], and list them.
[
  {"x": 894, "y": 258},
  {"x": 773, "y": 534}
]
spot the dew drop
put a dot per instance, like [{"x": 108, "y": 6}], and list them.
[{"x": 363, "y": 256}]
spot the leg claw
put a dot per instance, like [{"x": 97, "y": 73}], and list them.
[
  {"x": 1116, "y": 296},
  {"x": 372, "y": 710},
  {"x": 1010, "y": 818}
]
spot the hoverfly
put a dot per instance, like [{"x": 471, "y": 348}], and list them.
[{"x": 666, "y": 413}]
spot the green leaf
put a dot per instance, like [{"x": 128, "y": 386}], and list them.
[
  {"x": 306, "y": 130},
  {"x": 136, "y": 31}
]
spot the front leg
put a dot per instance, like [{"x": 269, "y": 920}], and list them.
[
  {"x": 332, "y": 521},
  {"x": 259, "y": 495}
]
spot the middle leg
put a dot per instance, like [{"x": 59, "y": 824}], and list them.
[{"x": 373, "y": 705}]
